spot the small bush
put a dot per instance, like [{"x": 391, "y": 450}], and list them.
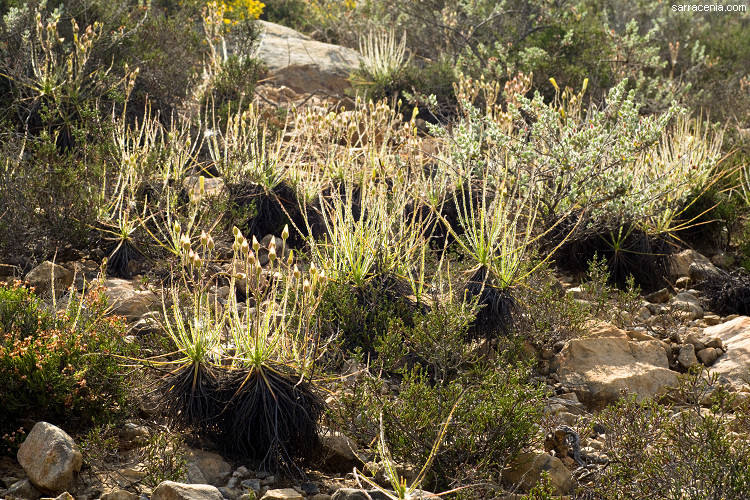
[
  {"x": 357, "y": 316},
  {"x": 62, "y": 371},
  {"x": 680, "y": 452},
  {"x": 494, "y": 420}
]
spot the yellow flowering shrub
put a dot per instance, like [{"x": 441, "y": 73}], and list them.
[{"x": 239, "y": 10}]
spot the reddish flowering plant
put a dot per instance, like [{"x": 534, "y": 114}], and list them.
[{"x": 49, "y": 362}]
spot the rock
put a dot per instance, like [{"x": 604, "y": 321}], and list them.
[
  {"x": 268, "y": 480},
  {"x": 338, "y": 451},
  {"x": 321, "y": 496},
  {"x": 132, "y": 435},
  {"x": 283, "y": 494},
  {"x": 169, "y": 490},
  {"x": 303, "y": 64},
  {"x": 711, "y": 319},
  {"x": 23, "y": 489},
  {"x": 687, "y": 357},
  {"x": 230, "y": 493},
  {"x": 119, "y": 494},
  {"x": 693, "y": 339},
  {"x": 50, "y": 458},
  {"x": 147, "y": 323},
  {"x": 683, "y": 283},
  {"x": 701, "y": 271},
  {"x": 658, "y": 297},
  {"x": 714, "y": 342},
  {"x": 643, "y": 313},
  {"x": 310, "y": 489},
  {"x": 687, "y": 304},
  {"x": 708, "y": 356},
  {"x": 251, "y": 484},
  {"x": 41, "y": 278},
  {"x": 600, "y": 367},
  {"x": 682, "y": 261},
  {"x": 126, "y": 301},
  {"x": 734, "y": 365},
  {"x": 212, "y": 186},
  {"x": 214, "y": 469},
  {"x": 526, "y": 469}
]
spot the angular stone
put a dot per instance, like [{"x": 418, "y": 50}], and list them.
[
  {"x": 23, "y": 489},
  {"x": 701, "y": 271},
  {"x": 339, "y": 451},
  {"x": 50, "y": 458},
  {"x": 119, "y": 494},
  {"x": 303, "y": 64},
  {"x": 125, "y": 300},
  {"x": 682, "y": 261},
  {"x": 687, "y": 357},
  {"x": 169, "y": 490},
  {"x": 42, "y": 275},
  {"x": 708, "y": 356},
  {"x": 283, "y": 494},
  {"x": 658, "y": 297},
  {"x": 214, "y": 469},
  {"x": 526, "y": 469},
  {"x": 600, "y": 367}
]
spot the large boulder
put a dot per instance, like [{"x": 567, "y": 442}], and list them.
[
  {"x": 42, "y": 276},
  {"x": 50, "y": 458},
  {"x": 525, "y": 470},
  {"x": 734, "y": 365},
  {"x": 600, "y": 367},
  {"x": 305, "y": 65},
  {"x": 169, "y": 490}
]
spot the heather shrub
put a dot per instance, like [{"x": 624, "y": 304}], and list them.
[{"x": 65, "y": 369}]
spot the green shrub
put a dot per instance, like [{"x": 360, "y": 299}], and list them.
[
  {"x": 493, "y": 421},
  {"x": 357, "y": 316},
  {"x": 549, "y": 314},
  {"x": 64, "y": 370},
  {"x": 684, "y": 451},
  {"x": 436, "y": 367}
]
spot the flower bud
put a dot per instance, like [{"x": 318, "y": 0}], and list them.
[
  {"x": 210, "y": 244},
  {"x": 176, "y": 228},
  {"x": 204, "y": 238},
  {"x": 306, "y": 287},
  {"x": 236, "y": 231},
  {"x": 313, "y": 269},
  {"x": 185, "y": 242},
  {"x": 244, "y": 246},
  {"x": 256, "y": 245},
  {"x": 202, "y": 185},
  {"x": 290, "y": 259},
  {"x": 272, "y": 253},
  {"x": 251, "y": 258},
  {"x": 296, "y": 273},
  {"x": 285, "y": 232}
]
